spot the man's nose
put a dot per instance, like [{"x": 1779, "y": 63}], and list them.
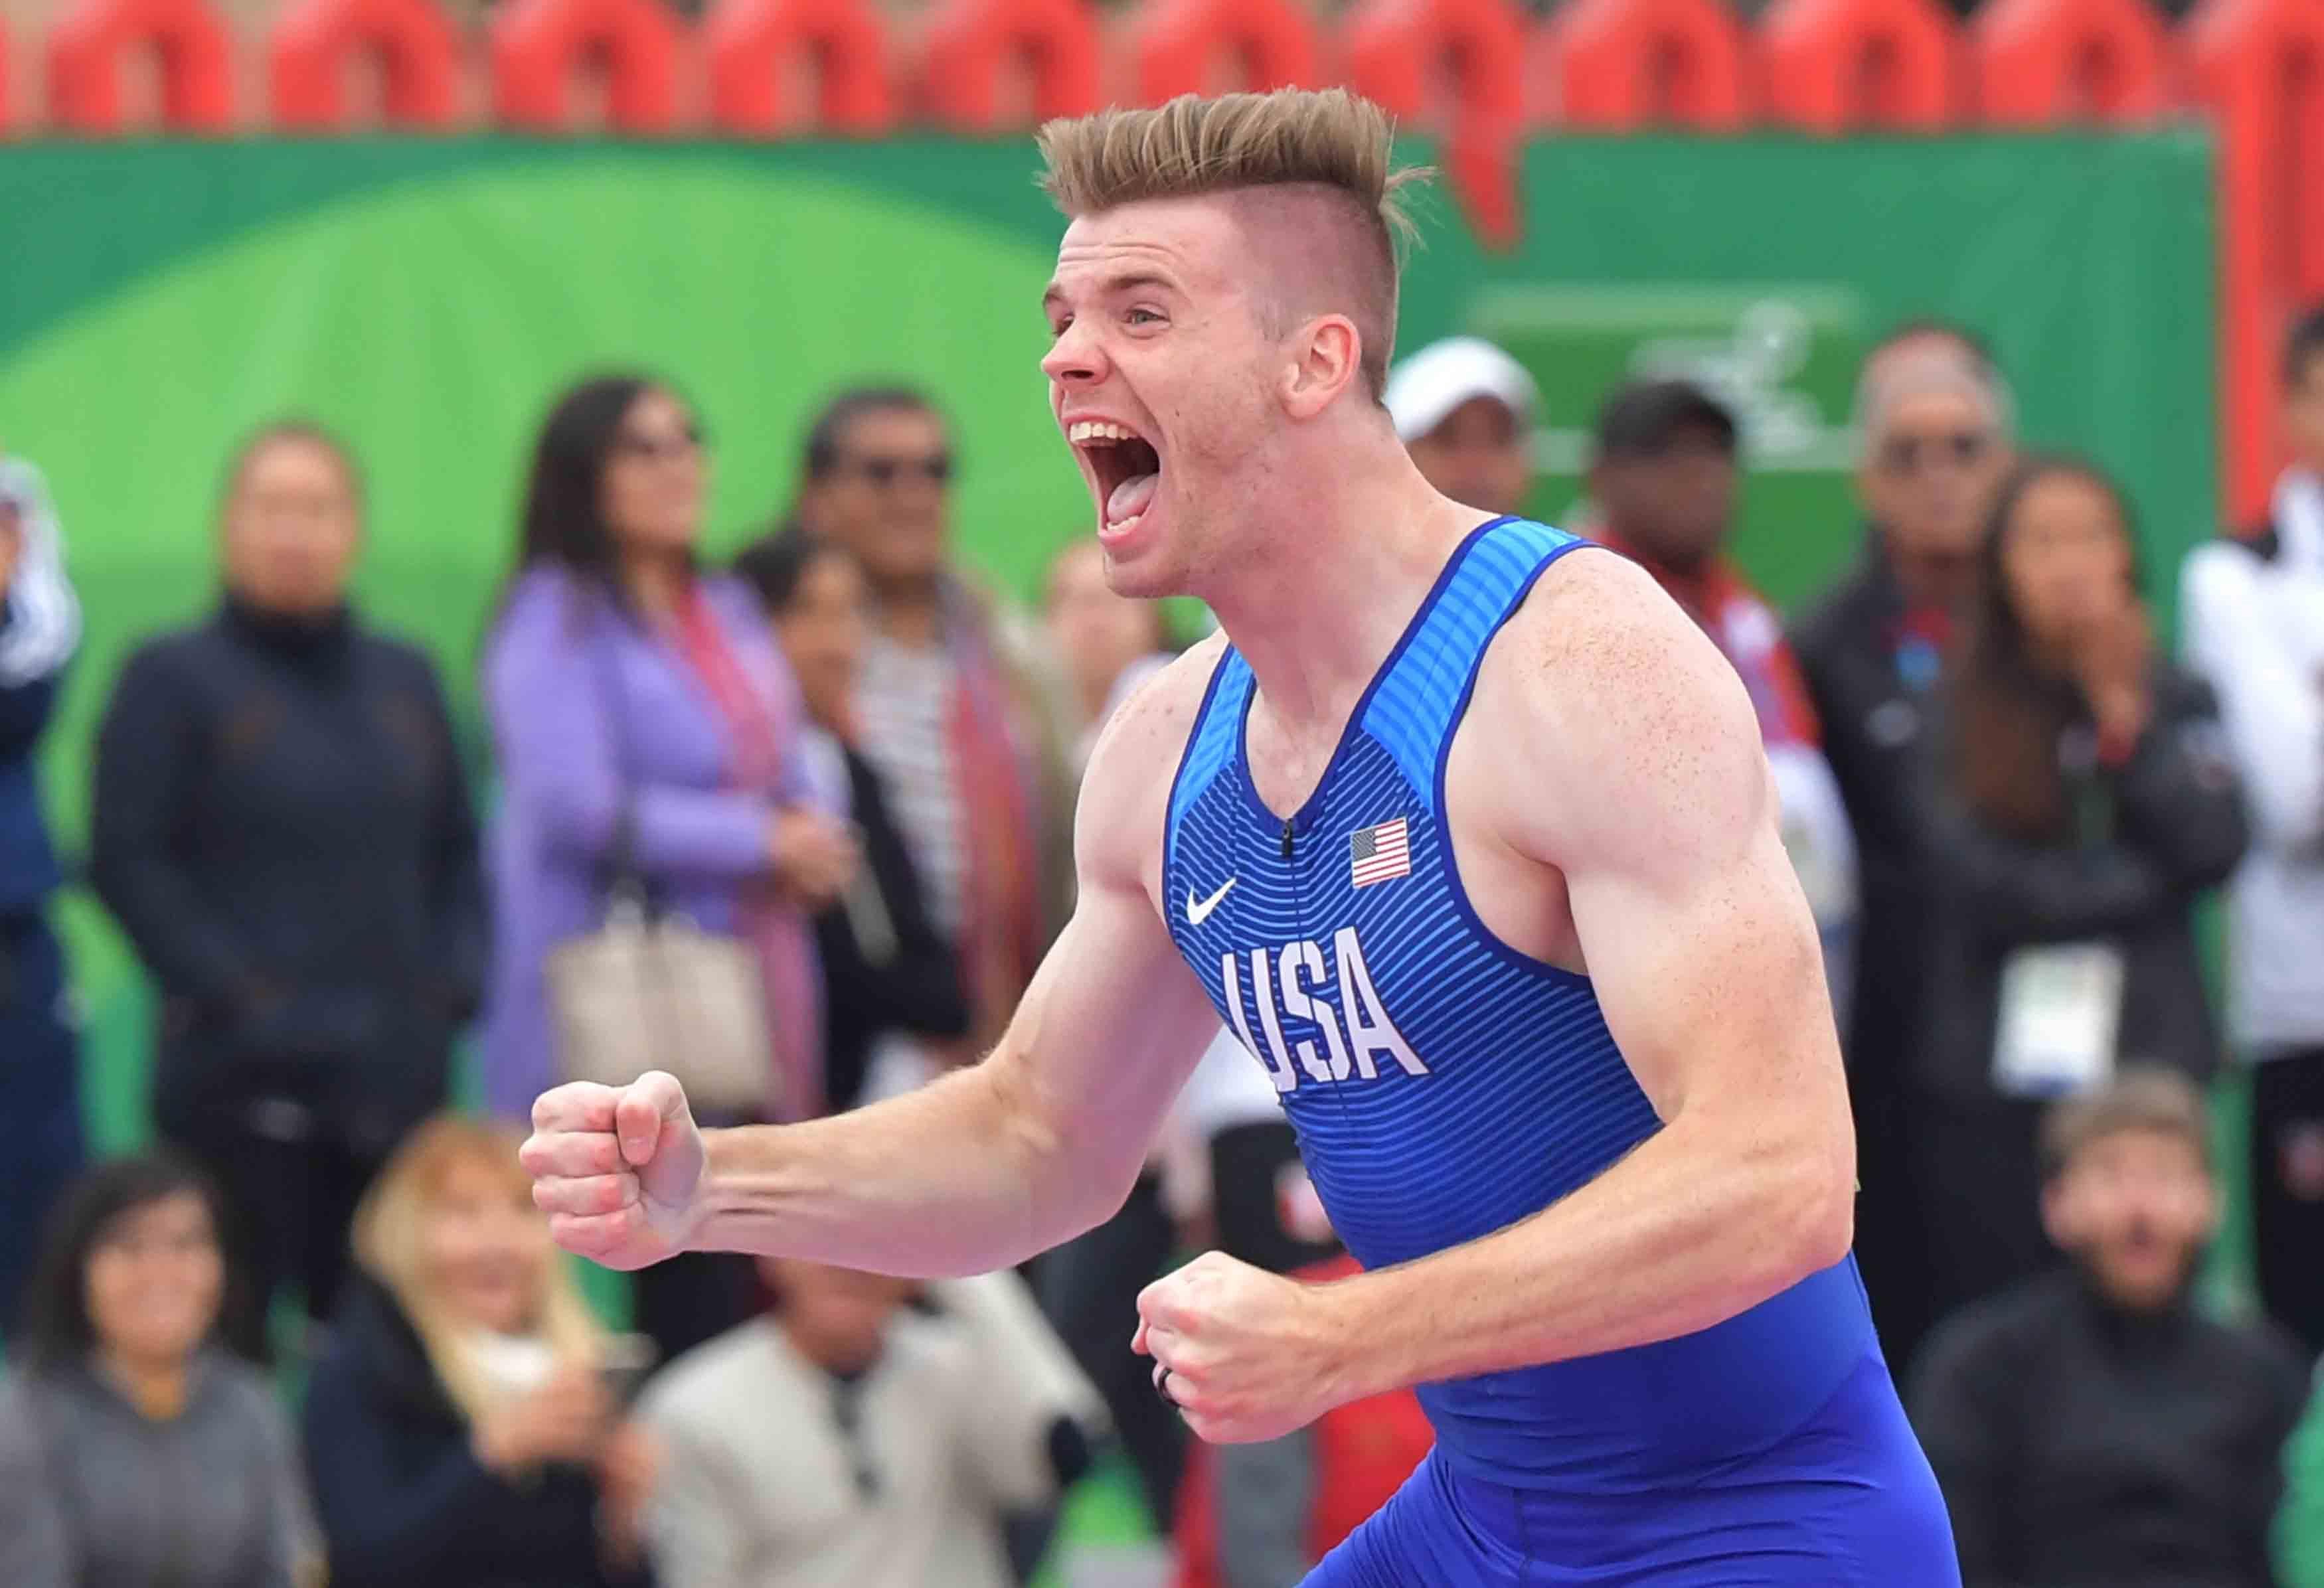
[{"x": 1074, "y": 359}]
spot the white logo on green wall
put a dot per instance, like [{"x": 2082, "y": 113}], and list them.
[{"x": 1782, "y": 358}]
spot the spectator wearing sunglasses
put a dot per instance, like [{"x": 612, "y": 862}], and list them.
[
  {"x": 949, "y": 711},
  {"x": 863, "y": 1435},
  {"x": 1934, "y": 420}
]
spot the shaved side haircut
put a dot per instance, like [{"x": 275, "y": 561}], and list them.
[{"x": 1314, "y": 173}]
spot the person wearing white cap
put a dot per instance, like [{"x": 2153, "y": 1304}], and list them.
[{"x": 1464, "y": 410}]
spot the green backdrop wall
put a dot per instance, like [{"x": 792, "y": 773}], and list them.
[{"x": 429, "y": 297}]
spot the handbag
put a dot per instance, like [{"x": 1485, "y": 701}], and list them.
[{"x": 649, "y": 990}]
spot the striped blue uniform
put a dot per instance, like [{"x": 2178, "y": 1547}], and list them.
[{"x": 1444, "y": 1086}]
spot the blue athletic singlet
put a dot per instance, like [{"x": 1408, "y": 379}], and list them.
[{"x": 1443, "y": 1086}]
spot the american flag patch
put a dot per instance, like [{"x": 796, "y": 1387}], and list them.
[{"x": 1376, "y": 854}]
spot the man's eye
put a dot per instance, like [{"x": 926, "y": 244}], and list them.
[
  {"x": 1143, "y": 316},
  {"x": 1057, "y": 326}
]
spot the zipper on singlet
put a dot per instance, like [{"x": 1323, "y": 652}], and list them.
[{"x": 1287, "y": 840}]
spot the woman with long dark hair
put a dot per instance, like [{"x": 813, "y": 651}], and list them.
[
  {"x": 632, "y": 694},
  {"x": 2081, "y": 805},
  {"x": 121, "y": 1387}
]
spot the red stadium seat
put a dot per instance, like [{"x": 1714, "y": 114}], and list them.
[
  {"x": 748, "y": 41},
  {"x": 312, "y": 41},
  {"x": 89, "y": 42},
  {"x": 1407, "y": 54},
  {"x": 1837, "y": 64},
  {"x": 537, "y": 46},
  {"x": 2041, "y": 63},
  {"x": 968, "y": 44},
  {"x": 1175, "y": 44},
  {"x": 2259, "y": 66},
  {"x": 1399, "y": 52},
  {"x": 1616, "y": 65}
]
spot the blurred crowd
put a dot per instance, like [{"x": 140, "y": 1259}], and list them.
[{"x": 803, "y": 824}]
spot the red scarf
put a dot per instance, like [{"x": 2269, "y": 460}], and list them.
[{"x": 776, "y": 930}]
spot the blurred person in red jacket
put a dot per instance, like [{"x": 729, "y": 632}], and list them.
[{"x": 1260, "y": 1516}]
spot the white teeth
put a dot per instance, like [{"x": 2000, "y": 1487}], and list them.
[{"x": 1086, "y": 430}]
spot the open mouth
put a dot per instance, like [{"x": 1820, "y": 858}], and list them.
[{"x": 1127, "y": 469}]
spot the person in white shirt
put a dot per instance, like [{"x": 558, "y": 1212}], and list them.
[
  {"x": 851, "y": 1439},
  {"x": 2252, "y": 611}
]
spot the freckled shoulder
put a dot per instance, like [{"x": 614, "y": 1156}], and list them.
[
  {"x": 1626, "y": 711},
  {"x": 1126, "y": 793}
]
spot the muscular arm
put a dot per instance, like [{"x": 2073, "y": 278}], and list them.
[
  {"x": 1637, "y": 774},
  {"x": 982, "y": 1168}
]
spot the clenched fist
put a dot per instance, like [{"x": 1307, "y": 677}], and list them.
[
  {"x": 1243, "y": 1353},
  {"x": 618, "y": 1170}
]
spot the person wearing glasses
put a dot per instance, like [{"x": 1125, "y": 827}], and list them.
[
  {"x": 864, "y": 1431},
  {"x": 618, "y": 674},
  {"x": 949, "y": 711},
  {"x": 2083, "y": 802},
  {"x": 1933, "y": 421}
]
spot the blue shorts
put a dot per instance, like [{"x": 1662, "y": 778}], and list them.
[{"x": 1847, "y": 1501}]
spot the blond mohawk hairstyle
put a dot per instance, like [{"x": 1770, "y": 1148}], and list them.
[{"x": 1327, "y": 139}]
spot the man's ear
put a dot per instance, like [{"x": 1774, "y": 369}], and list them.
[{"x": 1326, "y": 356}]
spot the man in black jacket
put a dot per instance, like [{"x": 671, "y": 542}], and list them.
[
  {"x": 2091, "y": 1428},
  {"x": 1934, "y": 420},
  {"x": 281, "y": 826}
]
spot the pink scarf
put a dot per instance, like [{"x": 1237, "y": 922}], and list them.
[{"x": 777, "y": 929}]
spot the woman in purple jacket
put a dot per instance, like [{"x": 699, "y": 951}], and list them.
[{"x": 620, "y": 678}]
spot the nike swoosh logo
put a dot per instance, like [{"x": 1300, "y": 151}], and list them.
[{"x": 1199, "y": 909}]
